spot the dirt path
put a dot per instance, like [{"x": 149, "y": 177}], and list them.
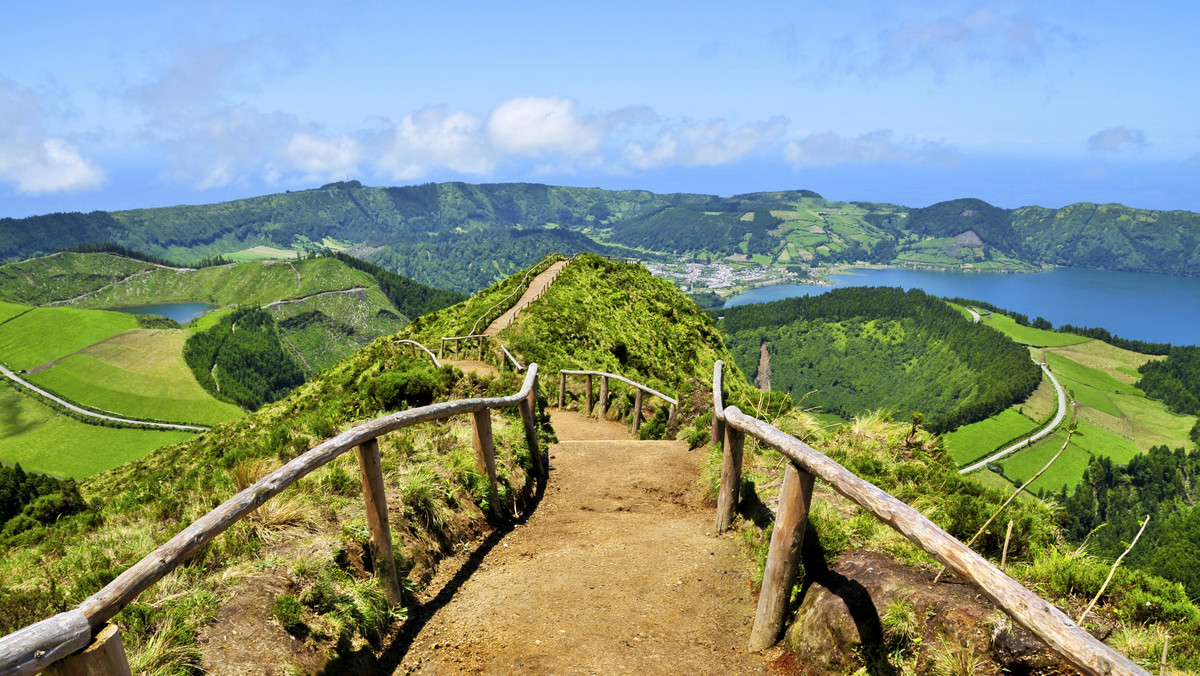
[
  {"x": 470, "y": 365},
  {"x": 536, "y": 287},
  {"x": 615, "y": 572}
]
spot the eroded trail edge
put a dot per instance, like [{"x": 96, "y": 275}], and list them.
[{"x": 616, "y": 571}]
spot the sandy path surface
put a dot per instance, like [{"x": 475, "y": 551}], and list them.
[
  {"x": 616, "y": 571},
  {"x": 536, "y": 287}
]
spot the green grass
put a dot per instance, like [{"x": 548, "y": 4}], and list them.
[
  {"x": 1068, "y": 469},
  {"x": 1029, "y": 335},
  {"x": 140, "y": 374},
  {"x": 1068, "y": 369},
  {"x": 971, "y": 442},
  {"x": 44, "y": 334},
  {"x": 259, "y": 253},
  {"x": 44, "y": 440},
  {"x": 10, "y": 310}
]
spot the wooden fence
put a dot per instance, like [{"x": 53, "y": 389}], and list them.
[
  {"x": 1038, "y": 616},
  {"x": 413, "y": 345},
  {"x": 45, "y": 643},
  {"x": 602, "y": 407}
]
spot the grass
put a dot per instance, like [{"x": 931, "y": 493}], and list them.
[
  {"x": 1029, "y": 335},
  {"x": 139, "y": 374},
  {"x": 1069, "y": 469},
  {"x": 10, "y": 310},
  {"x": 45, "y": 334},
  {"x": 1067, "y": 369},
  {"x": 43, "y": 440},
  {"x": 971, "y": 442},
  {"x": 259, "y": 253}
]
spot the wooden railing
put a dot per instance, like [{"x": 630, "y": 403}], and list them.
[
  {"x": 413, "y": 345},
  {"x": 487, "y": 318},
  {"x": 1038, "y": 616},
  {"x": 40, "y": 645},
  {"x": 602, "y": 407},
  {"x": 456, "y": 343}
]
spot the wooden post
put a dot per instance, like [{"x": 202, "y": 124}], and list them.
[
  {"x": 673, "y": 416},
  {"x": 104, "y": 657},
  {"x": 637, "y": 412},
  {"x": 562, "y": 389},
  {"x": 442, "y": 349},
  {"x": 717, "y": 433},
  {"x": 457, "y": 347},
  {"x": 589, "y": 395},
  {"x": 602, "y": 407},
  {"x": 1004, "y": 554},
  {"x": 731, "y": 477},
  {"x": 485, "y": 454},
  {"x": 377, "y": 520},
  {"x": 479, "y": 349},
  {"x": 783, "y": 559},
  {"x": 531, "y": 436}
]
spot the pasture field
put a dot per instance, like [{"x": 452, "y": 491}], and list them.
[
  {"x": 44, "y": 334},
  {"x": 971, "y": 442},
  {"x": 1067, "y": 369},
  {"x": 43, "y": 440},
  {"x": 1119, "y": 363},
  {"x": 138, "y": 374},
  {"x": 1069, "y": 468},
  {"x": 258, "y": 253},
  {"x": 208, "y": 320},
  {"x": 1029, "y": 335},
  {"x": 10, "y": 310},
  {"x": 1147, "y": 423}
]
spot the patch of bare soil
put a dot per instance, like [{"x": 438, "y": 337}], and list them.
[
  {"x": 616, "y": 571},
  {"x": 473, "y": 366}
]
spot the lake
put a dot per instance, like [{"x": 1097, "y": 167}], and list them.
[
  {"x": 1133, "y": 305},
  {"x": 180, "y": 312}
]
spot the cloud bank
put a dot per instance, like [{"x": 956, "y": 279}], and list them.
[
  {"x": 1117, "y": 139},
  {"x": 829, "y": 149},
  {"x": 35, "y": 160}
]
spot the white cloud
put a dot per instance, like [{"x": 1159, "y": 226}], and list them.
[
  {"x": 434, "y": 138},
  {"x": 33, "y": 159},
  {"x": 323, "y": 156},
  {"x": 829, "y": 149},
  {"x": 1117, "y": 139},
  {"x": 533, "y": 126},
  {"x": 703, "y": 144}
]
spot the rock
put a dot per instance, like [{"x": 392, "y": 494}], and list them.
[{"x": 840, "y": 619}]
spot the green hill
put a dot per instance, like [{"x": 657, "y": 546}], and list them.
[{"x": 465, "y": 237}]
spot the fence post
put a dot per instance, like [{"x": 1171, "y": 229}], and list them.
[
  {"x": 442, "y": 349},
  {"x": 485, "y": 454},
  {"x": 479, "y": 349},
  {"x": 377, "y": 520},
  {"x": 637, "y": 412},
  {"x": 527, "y": 417},
  {"x": 783, "y": 559},
  {"x": 602, "y": 407},
  {"x": 673, "y": 416},
  {"x": 588, "y": 411},
  {"x": 562, "y": 389},
  {"x": 104, "y": 657},
  {"x": 731, "y": 476}
]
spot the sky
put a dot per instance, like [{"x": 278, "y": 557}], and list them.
[{"x": 138, "y": 104}]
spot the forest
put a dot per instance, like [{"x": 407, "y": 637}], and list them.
[
  {"x": 28, "y": 499},
  {"x": 242, "y": 360},
  {"x": 1108, "y": 506},
  {"x": 860, "y": 348},
  {"x": 1176, "y": 382}
]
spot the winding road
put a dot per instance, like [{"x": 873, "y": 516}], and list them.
[
  {"x": 91, "y": 414},
  {"x": 1028, "y": 441}
]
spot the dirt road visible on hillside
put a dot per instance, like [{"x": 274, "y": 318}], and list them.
[{"x": 616, "y": 571}]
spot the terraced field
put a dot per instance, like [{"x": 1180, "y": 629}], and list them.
[
  {"x": 43, "y": 440},
  {"x": 138, "y": 374},
  {"x": 44, "y": 334}
]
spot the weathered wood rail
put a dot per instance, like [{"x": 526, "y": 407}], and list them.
[
  {"x": 1038, "y": 616},
  {"x": 602, "y": 406},
  {"x": 48, "y": 642},
  {"x": 413, "y": 345},
  {"x": 457, "y": 341}
]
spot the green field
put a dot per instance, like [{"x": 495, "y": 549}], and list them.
[
  {"x": 1073, "y": 374},
  {"x": 971, "y": 442},
  {"x": 44, "y": 440},
  {"x": 259, "y": 253},
  {"x": 45, "y": 334},
  {"x": 1068, "y": 469},
  {"x": 10, "y": 310},
  {"x": 1029, "y": 335},
  {"x": 139, "y": 374}
]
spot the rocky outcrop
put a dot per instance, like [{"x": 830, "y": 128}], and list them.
[{"x": 850, "y": 615}]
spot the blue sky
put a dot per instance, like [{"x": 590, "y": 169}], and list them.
[{"x": 136, "y": 104}]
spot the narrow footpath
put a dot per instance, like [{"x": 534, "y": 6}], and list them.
[
  {"x": 536, "y": 287},
  {"x": 616, "y": 571}
]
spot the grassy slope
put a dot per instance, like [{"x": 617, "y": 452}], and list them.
[
  {"x": 44, "y": 334},
  {"x": 64, "y": 275},
  {"x": 43, "y": 440},
  {"x": 1029, "y": 335},
  {"x": 10, "y": 310},
  {"x": 138, "y": 373}
]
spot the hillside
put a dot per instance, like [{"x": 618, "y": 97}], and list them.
[
  {"x": 307, "y": 546},
  {"x": 465, "y": 237}
]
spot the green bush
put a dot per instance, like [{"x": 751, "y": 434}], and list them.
[{"x": 288, "y": 611}]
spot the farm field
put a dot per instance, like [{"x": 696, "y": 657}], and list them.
[
  {"x": 44, "y": 334},
  {"x": 10, "y": 310},
  {"x": 1069, "y": 468},
  {"x": 43, "y": 440},
  {"x": 971, "y": 442},
  {"x": 259, "y": 253},
  {"x": 1029, "y": 335},
  {"x": 139, "y": 374}
]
